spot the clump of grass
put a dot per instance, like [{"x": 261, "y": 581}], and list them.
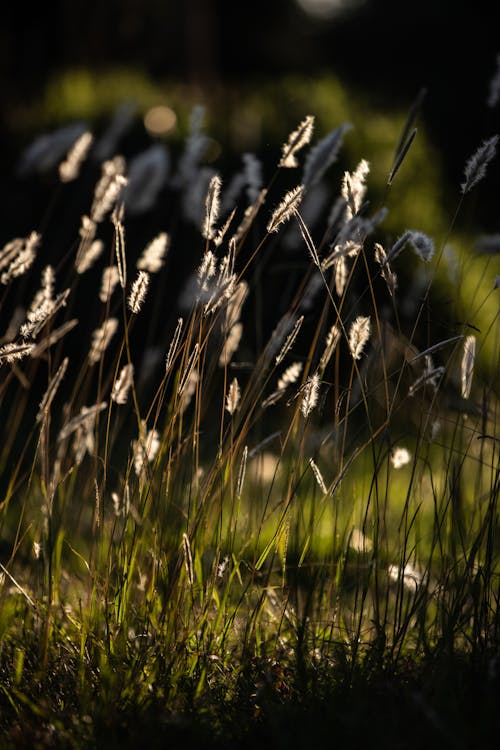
[{"x": 317, "y": 499}]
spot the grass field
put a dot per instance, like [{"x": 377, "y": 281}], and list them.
[{"x": 255, "y": 502}]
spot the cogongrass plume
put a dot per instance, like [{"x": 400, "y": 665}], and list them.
[
  {"x": 69, "y": 169},
  {"x": 467, "y": 368},
  {"x": 341, "y": 275},
  {"x": 146, "y": 448},
  {"x": 212, "y": 206},
  {"x": 400, "y": 457},
  {"x": 109, "y": 280},
  {"x": 286, "y": 208},
  {"x": 289, "y": 376},
  {"x": 138, "y": 292},
  {"x": 153, "y": 256},
  {"x": 310, "y": 394},
  {"x": 354, "y": 188},
  {"x": 332, "y": 339},
  {"x": 18, "y": 255},
  {"x": 108, "y": 189},
  {"x": 359, "y": 334},
  {"x": 233, "y": 396},
  {"x": 123, "y": 383},
  {"x": 231, "y": 344},
  {"x": 121, "y": 258},
  {"x": 14, "y": 351},
  {"x": 101, "y": 339},
  {"x": 296, "y": 140},
  {"x": 318, "y": 476},
  {"x": 91, "y": 253},
  {"x": 475, "y": 168}
]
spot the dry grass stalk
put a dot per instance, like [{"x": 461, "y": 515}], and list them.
[
  {"x": 52, "y": 390},
  {"x": 467, "y": 368}
]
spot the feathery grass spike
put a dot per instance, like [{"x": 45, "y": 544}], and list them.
[
  {"x": 286, "y": 208},
  {"x": 358, "y": 336},
  {"x": 475, "y": 168},
  {"x": 296, "y": 140}
]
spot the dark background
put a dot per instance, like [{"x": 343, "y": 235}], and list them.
[{"x": 388, "y": 48}]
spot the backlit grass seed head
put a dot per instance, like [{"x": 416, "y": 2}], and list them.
[
  {"x": 318, "y": 476},
  {"x": 354, "y": 188},
  {"x": 231, "y": 344},
  {"x": 109, "y": 281},
  {"x": 310, "y": 394},
  {"x": 332, "y": 340},
  {"x": 475, "y": 168},
  {"x": 89, "y": 256},
  {"x": 21, "y": 254},
  {"x": 145, "y": 449},
  {"x": 121, "y": 259},
  {"x": 153, "y": 256},
  {"x": 400, "y": 457},
  {"x": 108, "y": 189},
  {"x": 212, "y": 207},
  {"x": 358, "y": 336},
  {"x": 138, "y": 292},
  {"x": 286, "y": 208},
  {"x": 123, "y": 384},
  {"x": 467, "y": 368},
  {"x": 296, "y": 140},
  {"x": 206, "y": 270},
  {"x": 101, "y": 339},
  {"x": 233, "y": 397},
  {"x": 341, "y": 274},
  {"x": 12, "y": 352},
  {"x": 290, "y": 375},
  {"x": 69, "y": 169}
]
